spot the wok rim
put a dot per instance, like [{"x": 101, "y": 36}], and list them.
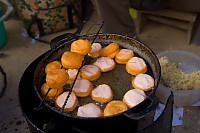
[{"x": 103, "y": 117}]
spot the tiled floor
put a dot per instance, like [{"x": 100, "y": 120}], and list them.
[{"x": 19, "y": 53}]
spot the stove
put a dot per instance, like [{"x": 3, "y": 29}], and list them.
[{"x": 45, "y": 120}]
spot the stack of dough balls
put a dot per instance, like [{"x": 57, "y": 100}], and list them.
[
  {"x": 52, "y": 66},
  {"x": 57, "y": 78}
]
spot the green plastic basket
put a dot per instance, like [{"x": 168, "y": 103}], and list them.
[{"x": 3, "y": 36}]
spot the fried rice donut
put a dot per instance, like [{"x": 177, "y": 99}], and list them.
[
  {"x": 71, "y": 103},
  {"x": 71, "y": 60},
  {"x": 89, "y": 110},
  {"x": 96, "y": 49},
  {"x": 53, "y": 65},
  {"x": 82, "y": 87},
  {"x": 105, "y": 64},
  {"x": 90, "y": 72},
  {"x": 115, "y": 107},
  {"x": 57, "y": 78},
  {"x": 134, "y": 97},
  {"x": 52, "y": 94},
  {"x": 143, "y": 81},
  {"x": 110, "y": 50},
  {"x": 123, "y": 56},
  {"x": 102, "y": 93},
  {"x": 136, "y": 66},
  {"x": 72, "y": 75},
  {"x": 81, "y": 46}
]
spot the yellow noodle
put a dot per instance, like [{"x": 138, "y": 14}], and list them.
[{"x": 176, "y": 78}]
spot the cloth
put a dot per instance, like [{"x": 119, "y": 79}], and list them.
[
  {"x": 44, "y": 17},
  {"x": 116, "y": 17}
]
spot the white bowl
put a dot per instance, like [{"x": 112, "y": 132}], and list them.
[{"x": 188, "y": 63}]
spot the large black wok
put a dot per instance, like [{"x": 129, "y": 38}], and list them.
[{"x": 118, "y": 79}]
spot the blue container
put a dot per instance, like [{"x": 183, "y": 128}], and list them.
[{"x": 3, "y": 37}]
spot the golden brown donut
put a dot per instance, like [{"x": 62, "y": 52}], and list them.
[
  {"x": 57, "y": 78},
  {"x": 52, "y": 94},
  {"x": 113, "y": 54},
  {"x": 136, "y": 66},
  {"x": 71, "y": 60},
  {"x": 81, "y": 46},
  {"x": 96, "y": 49},
  {"x": 102, "y": 93},
  {"x": 71, "y": 103},
  {"x": 143, "y": 81},
  {"x": 110, "y": 50},
  {"x": 115, "y": 107},
  {"x": 90, "y": 72},
  {"x": 53, "y": 65},
  {"x": 123, "y": 56},
  {"x": 82, "y": 87}
]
